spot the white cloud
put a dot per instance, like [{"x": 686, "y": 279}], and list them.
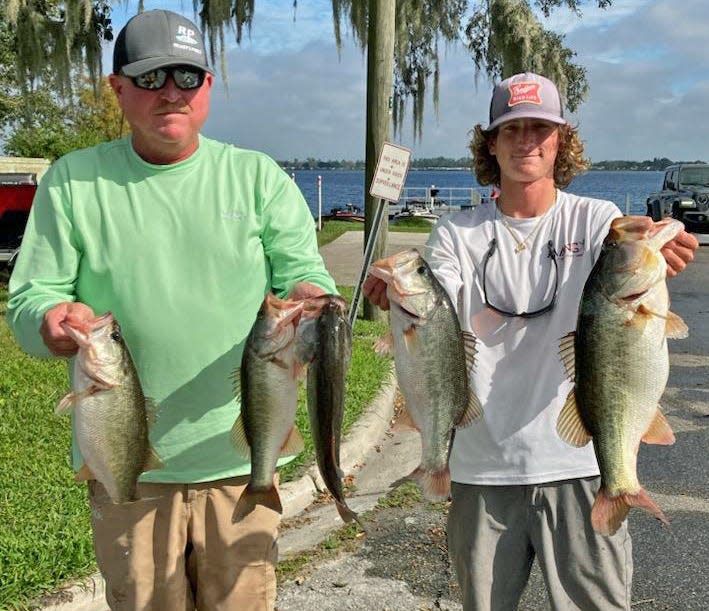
[{"x": 647, "y": 65}]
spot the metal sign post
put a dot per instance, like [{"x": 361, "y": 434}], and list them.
[
  {"x": 387, "y": 183},
  {"x": 368, "y": 252}
]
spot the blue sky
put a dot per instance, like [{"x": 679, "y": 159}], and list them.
[{"x": 292, "y": 95}]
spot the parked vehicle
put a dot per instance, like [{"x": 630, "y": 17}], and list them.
[
  {"x": 684, "y": 196},
  {"x": 16, "y": 194}
]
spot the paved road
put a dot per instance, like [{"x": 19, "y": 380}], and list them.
[{"x": 403, "y": 564}]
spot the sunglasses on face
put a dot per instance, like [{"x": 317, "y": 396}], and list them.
[{"x": 184, "y": 77}]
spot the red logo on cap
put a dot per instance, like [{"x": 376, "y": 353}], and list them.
[{"x": 525, "y": 93}]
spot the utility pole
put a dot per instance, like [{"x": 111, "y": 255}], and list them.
[{"x": 380, "y": 76}]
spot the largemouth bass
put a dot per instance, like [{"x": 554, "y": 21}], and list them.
[
  {"x": 432, "y": 358},
  {"x": 331, "y": 348},
  {"x": 267, "y": 384},
  {"x": 111, "y": 415},
  {"x": 619, "y": 362}
]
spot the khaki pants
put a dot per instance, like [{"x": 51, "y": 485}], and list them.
[
  {"x": 494, "y": 533},
  {"x": 177, "y": 549}
]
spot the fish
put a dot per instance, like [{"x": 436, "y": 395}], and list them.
[
  {"x": 267, "y": 386},
  {"x": 112, "y": 417},
  {"x": 433, "y": 359},
  {"x": 330, "y": 336},
  {"x": 619, "y": 363}
]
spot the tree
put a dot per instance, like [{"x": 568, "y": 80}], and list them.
[
  {"x": 50, "y": 128},
  {"x": 503, "y": 36},
  {"x": 63, "y": 36}
]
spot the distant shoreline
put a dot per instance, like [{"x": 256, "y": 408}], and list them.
[
  {"x": 456, "y": 165},
  {"x": 459, "y": 169}
]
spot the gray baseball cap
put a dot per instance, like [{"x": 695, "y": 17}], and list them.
[
  {"x": 525, "y": 96},
  {"x": 155, "y": 39}
]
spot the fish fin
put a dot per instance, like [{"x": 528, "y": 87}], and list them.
[
  {"x": 473, "y": 410},
  {"x": 250, "y": 498},
  {"x": 239, "y": 439},
  {"x": 639, "y": 318},
  {"x": 410, "y": 338},
  {"x": 67, "y": 403},
  {"x": 300, "y": 370},
  {"x": 659, "y": 432},
  {"x": 384, "y": 345},
  {"x": 676, "y": 328},
  {"x": 293, "y": 444},
  {"x": 435, "y": 485},
  {"x": 609, "y": 512},
  {"x": 152, "y": 460},
  {"x": 236, "y": 383},
  {"x": 69, "y": 400},
  {"x": 84, "y": 474},
  {"x": 470, "y": 348},
  {"x": 570, "y": 426},
  {"x": 151, "y": 411},
  {"x": 405, "y": 422},
  {"x": 567, "y": 351}
]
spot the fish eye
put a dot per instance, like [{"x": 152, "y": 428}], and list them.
[
  {"x": 116, "y": 336},
  {"x": 421, "y": 269}
]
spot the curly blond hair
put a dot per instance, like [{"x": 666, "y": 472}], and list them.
[{"x": 570, "y": 160}]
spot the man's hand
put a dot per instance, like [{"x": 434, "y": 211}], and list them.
[
  {"x": 304, "y": 290},
  {"x": 679, "y": 252},
  {"x": 375, "y": 289},
  {"x": 54, "y": 337}
]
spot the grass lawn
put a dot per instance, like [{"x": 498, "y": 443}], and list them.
[
  {"x": 45, "y": 536},
  {"x": 332, "y": 230}
]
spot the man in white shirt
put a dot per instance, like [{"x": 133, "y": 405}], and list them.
[{"x": 516, "y": 270}]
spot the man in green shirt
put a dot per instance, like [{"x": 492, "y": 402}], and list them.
[{"x": 180, "y": 237}]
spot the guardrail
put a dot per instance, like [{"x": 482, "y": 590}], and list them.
[{"x": 443, "y": 198}]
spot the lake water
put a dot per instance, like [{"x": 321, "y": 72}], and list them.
[{"x": 340, "y": 187}]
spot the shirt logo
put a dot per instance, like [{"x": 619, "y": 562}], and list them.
[
  {"x": 525, "y": 93},
  {"x": 233, "y": 215},
  {"x": 571, "y": 249}
]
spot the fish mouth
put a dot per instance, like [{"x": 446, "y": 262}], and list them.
[
  {"x": 80, "y": 330},
  {"x": 385, "y": 271},
  {"x": 634, "y": 296},
  {"x": 408, "y": 313}
]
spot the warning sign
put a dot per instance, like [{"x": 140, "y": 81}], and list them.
[{"x": 390, "y": 176}]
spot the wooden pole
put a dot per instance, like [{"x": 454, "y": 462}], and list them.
[{"x": 380, "y": 76}]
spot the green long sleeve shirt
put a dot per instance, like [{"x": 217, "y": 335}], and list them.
[{"x": 182, "y": 255}]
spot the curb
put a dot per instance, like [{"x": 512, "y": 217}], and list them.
[
  {"x": 298, "y": 494},
  {"x": 89, "y": 594}
]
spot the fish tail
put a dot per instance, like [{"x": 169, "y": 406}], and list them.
[
  {"x": 436, "y": 485},
  {"x": 250, "y": 498},
  {"x": 347, "y": 514},
  {"x": 609, "y": 512}
]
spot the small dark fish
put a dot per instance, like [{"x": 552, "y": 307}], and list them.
[{"x": 332, "y": 345}]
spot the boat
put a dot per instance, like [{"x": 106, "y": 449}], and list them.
[
  {"x": 416, "y": 210},
  {"x": 349, "y": 213}
]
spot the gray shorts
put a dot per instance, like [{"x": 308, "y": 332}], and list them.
[{"x": 494, "y": 533}]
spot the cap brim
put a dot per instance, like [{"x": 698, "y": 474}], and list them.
[
  {"x": 153, "y": 63},
  {"x": 525, "y": 114}
]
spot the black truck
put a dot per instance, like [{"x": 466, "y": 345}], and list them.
[{"x": 684, "y": 196}]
